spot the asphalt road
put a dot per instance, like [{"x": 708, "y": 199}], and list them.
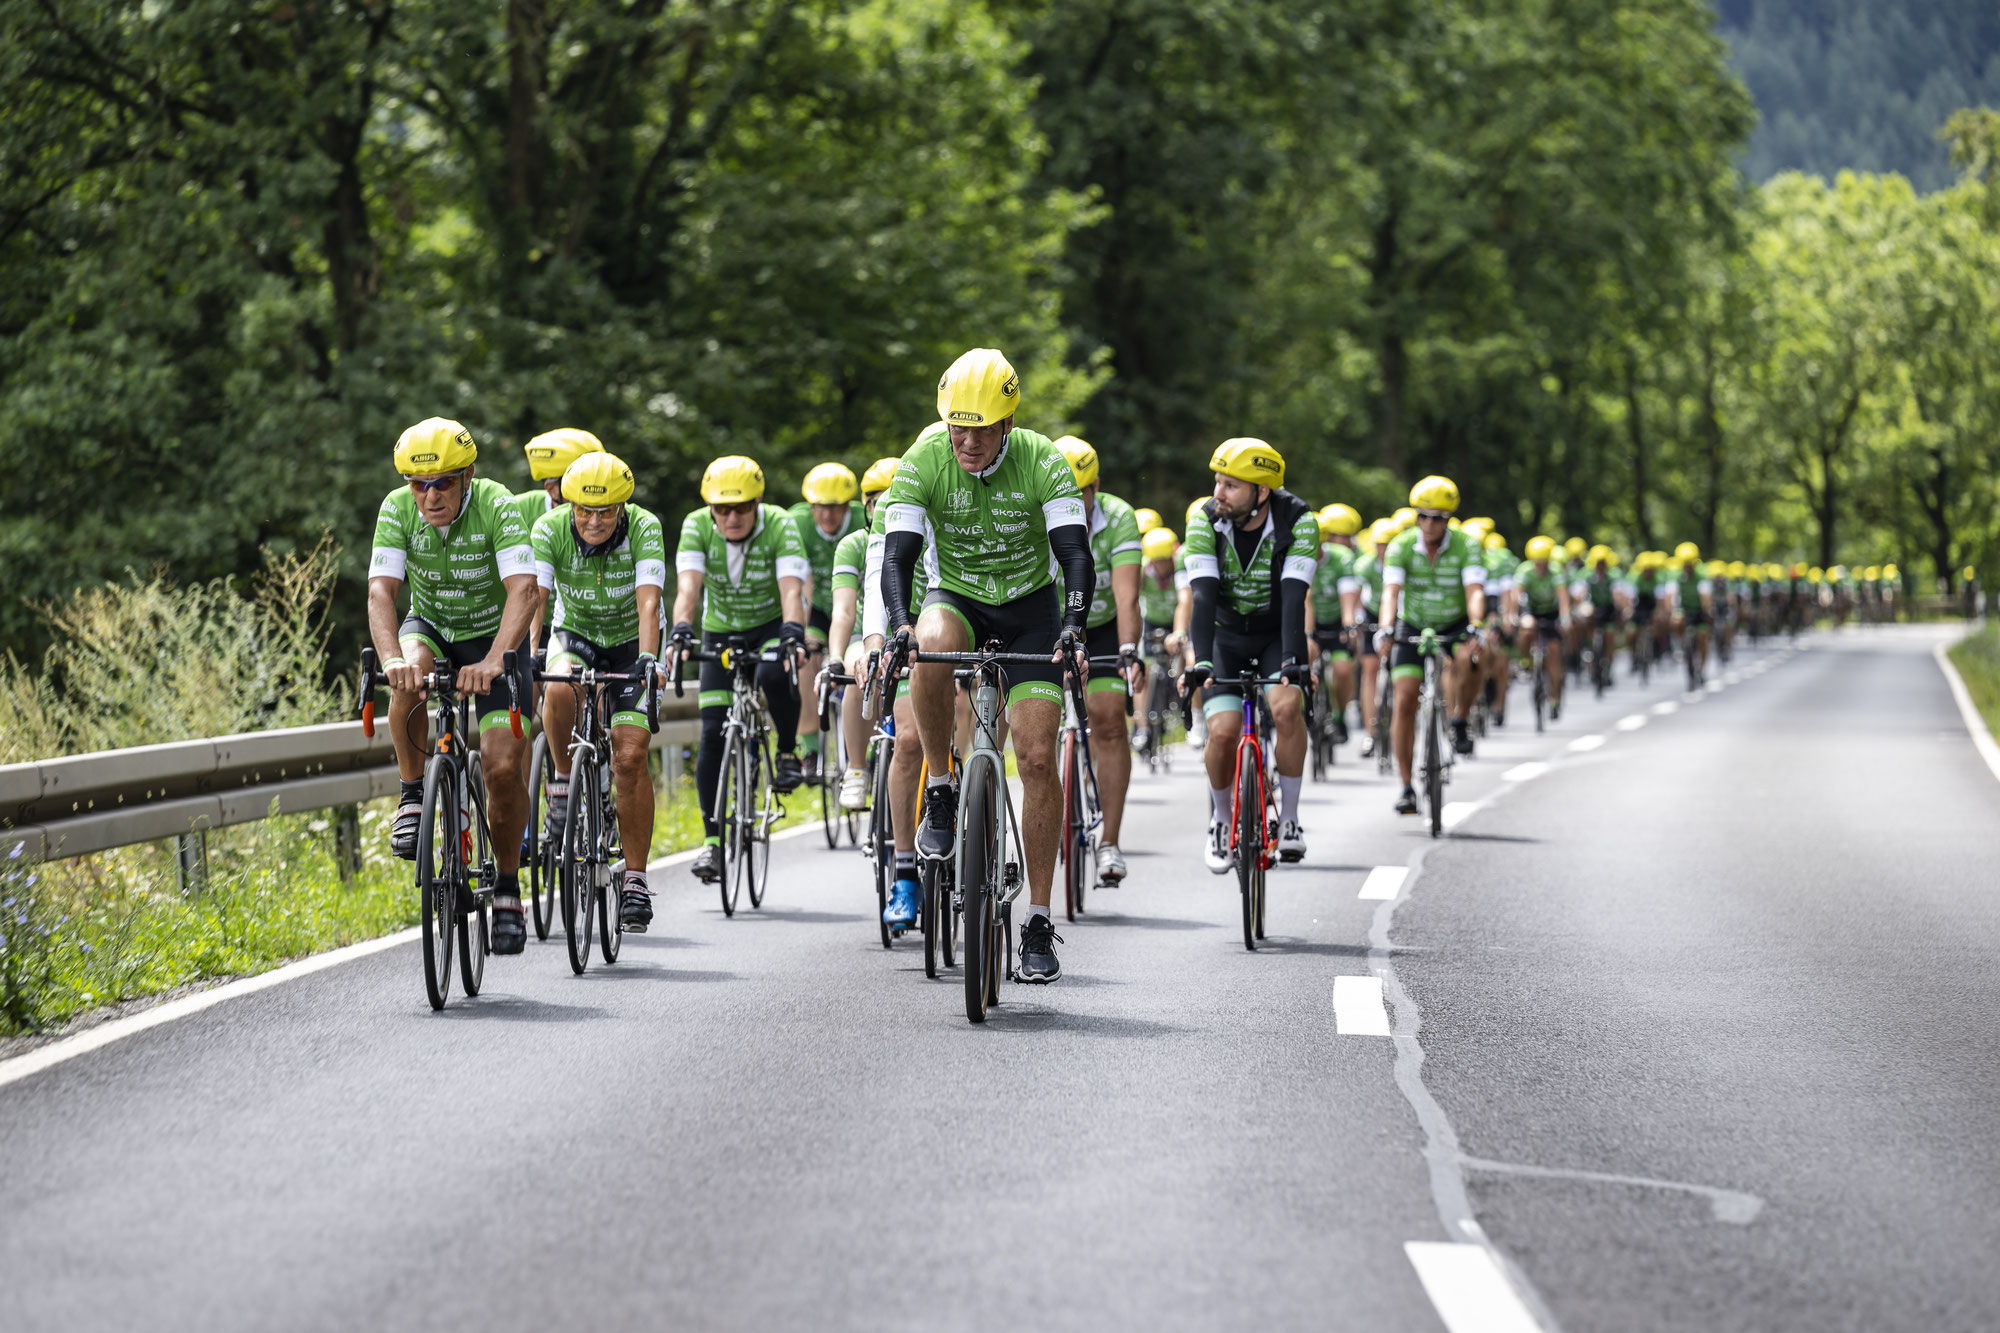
[{"x": 1691, "y": 1029}]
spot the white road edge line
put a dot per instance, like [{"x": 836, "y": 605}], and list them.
[
  {"x": 1469, "y": 1288},
  {"x": 1457, "y": 812},
  {"x": 56, "y": 1052},
  {"x": 1968, "y": 712},
  {"x": 1358, "y": 1010},
  {"x": 1384, "y": 882}
]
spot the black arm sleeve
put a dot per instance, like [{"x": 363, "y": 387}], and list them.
[
  {"x": 900, "y": 551},
  {"x": 1071, "y": 544},
  {"x": 1201, "y": 617},
  {"x": 1292, "y": 617}
]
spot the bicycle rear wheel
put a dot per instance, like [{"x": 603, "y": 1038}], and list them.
[
  {"x": 728, "y": 818},
  {"x": 579, "y": 862},
  {"x": 1540, "y": 663},
  {"x": 1249, "y": 843},
  {"x": 978, "y": 833},
  {"x": 1071, "y": 849},
  {"x": 1433, "y": 751},
  {"x": 474, "y": 937},
  {"x": 882, "y": 840},
  {"x": 930, "y": 914},
  {"x": 763, "y": 812},
  {"x": 541, "y": 879},
  {"x": 438, "y": 868},
  {"x": 831, "y": 759}
]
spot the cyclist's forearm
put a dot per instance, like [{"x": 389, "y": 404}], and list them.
[
  {"x": 382, "y": 621},
  {"x": 1071, "y": 546},
  {"x": 649, "y": 620},
  {"x": 687, "y": 596},
  {"x": 841, "y": 631},
  {"x": 516, "y": 615},
  {"x": 1292, "y": 596},
  {"x": 899, "y": 569},
  {"x": 791, "y": 601},
  {"x": 1125, "y": 588},
  {"x": 1201, "y": 618}
]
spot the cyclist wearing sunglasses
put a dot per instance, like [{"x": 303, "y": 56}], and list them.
[
  {"x": 1433, "y": 578},
  {"x": 604, "y": 560},
  {"x": 460, "y": 544},
  {"x": 824, "y": 519},
  {"x": 992, "y": 503},
  {"x": 1252, "y": 551},
  {"x": 741, "y": 565}
]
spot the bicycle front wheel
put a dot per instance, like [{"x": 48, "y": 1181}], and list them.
[
  {"x": 438, "y": 868},
  {"x": 732, "y": 808},
  {"x": 473, "y": 935},
  {"x": 1072, "y": 850},
  {"x": 882, "y": 840},
  {"x": 979, "y": 838},
  {"x": 579, "y": 862},
  {"x": 763, "y": 812},
  {"x": 1249, "y": 844},
  {"x": 1433, "y": 744},
  {"x": 536, "y": 859}
]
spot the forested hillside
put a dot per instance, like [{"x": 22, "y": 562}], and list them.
[{"x": 1861, "y": 84}]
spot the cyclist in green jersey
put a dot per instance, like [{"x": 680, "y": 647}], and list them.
[
  {"x": 460, "y": 544},
  {"x": 740, "y": 564},
  {"x": 1252, "y": 551},
  {"x": 1493, "y": 665},
  {"x": 1112, "y": 629},
  {"x": 1158, "y": 601},
  {"x": 1368, "y": 574},
  {"x": 824, "y": 518},
  {"x": 845, "y": 641},
  {"x": 604, "y": 560},
  {"x": 992, "y": 503},
  {"x": 1693, "y": 598},
  {"x": 1432, "y": 578},
  {"x": 1333, "y": 613},
  {"x": 1540, "y": 604},
  {"x": 549, "y": 456}
]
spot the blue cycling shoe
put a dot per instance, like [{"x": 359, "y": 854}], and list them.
[{"x": 904, "y": 902}]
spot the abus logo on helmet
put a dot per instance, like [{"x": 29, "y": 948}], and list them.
[
  {"x": 593, "y": 488},
  {"x": 958, "y": 418},
  {"x": 424, "y": 458},
  {"x": 1011, "y": 387},
  {"x": 1264, "y": 463}
]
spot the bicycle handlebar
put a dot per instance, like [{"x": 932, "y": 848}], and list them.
[{"x": 443, "y": 683}]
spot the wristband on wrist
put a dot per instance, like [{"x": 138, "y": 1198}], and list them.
[
  {"x": 1128, "y": 647},
  {"x": 396, "y": 662}
]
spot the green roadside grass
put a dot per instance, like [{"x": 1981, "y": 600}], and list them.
[
  {"x": 1977, "y": 657},
  {"x": 83, "y": 934}
]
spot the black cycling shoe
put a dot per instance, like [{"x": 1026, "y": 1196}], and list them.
[
  {"x": 552, "y": 826},
  {"x": 940, "y": 822},
  {"x": 403, "y": 831},
  {"x": 1461, "y": 738},
  {"x": 1339, "y": 730},
  {"x": 708, "y": 866},
  {"x": 1039, "y": 965},
  {"x": 1406, "y": 804},
  {"x": 510, "y": 927},
  {"x": 635, "y": 909},
  {"x": 786, "y": 775},
  {"x": 809, "y": 767},
  {"x": 1368, "y": 746}
]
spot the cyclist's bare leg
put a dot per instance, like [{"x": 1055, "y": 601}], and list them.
[
  {"x": 1461, "y": 682},
  {"x": 1343, "y": 685},
  {"x": 408, "y": 734},
  {"x": 1220, "y": 754},
  {"x": 854, "y": 726},
  {"x": 1034, "y": 726},
  {"x": 635, "y": 791},
  {"x": 808, "y": 672},
  {"x": 1552, "y": 662},
  {"x": 1371, "y": 685},
  {"x": 931, "y": 687},
  {"x": 1403, "y": 726},
  {"x": 906, "y": 773},
  {"x": 1288, "y": 722},
  {"x": 501, "y": 758},
  {"x": 559, "y": 722},
  {"x": 1111, "y": 755}
]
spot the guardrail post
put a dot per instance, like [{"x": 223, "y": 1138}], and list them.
[
  {"x": 191, "y": 851},
  {"x": 347, "y": 840}
]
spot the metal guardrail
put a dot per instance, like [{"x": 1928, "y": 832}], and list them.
[{"x": 78, "y": 804}]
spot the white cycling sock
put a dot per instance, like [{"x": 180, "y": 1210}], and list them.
[
  {"x": 1218, "y": 797},
  {"x": 1037, "y": 910},
  {"x": 938, "y": 782},
  {"x": 1288, "y": 798}
]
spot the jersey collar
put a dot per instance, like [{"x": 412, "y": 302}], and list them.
[{"x": 1006, "y": 443}]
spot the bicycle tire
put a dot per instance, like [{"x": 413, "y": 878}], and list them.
[
  {"x": 1433, "y": 759},
  {"x": 829, "y": 781},
  {"x": 931, "y": 877},
  {"x": 541, "y": 883},
  {"x": 611, "y": 896},
  {"x": 1540, "y": 664},
  {"x": 1070, "y": 849},
  {"x": 727, "y": 817},
  {"x": 882, "y": 841},
  {"x": 474, "y": 933},
  {"x": 1249, "y": 851},
  {"x": 437, "y": 857},
  {"x": 979, "y": 854},
  {"x": 757, "y": 830},
  {"x": 579, "y": 873}
]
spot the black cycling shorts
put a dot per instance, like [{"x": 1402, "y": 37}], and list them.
[
  {"x": 492, "y": 707},
  {"x": 1029, "y": 624},
  {"x": 625, "y": 705},
  {"x": 1102, "y": 641},
  {"x": 1548, "y": 626},
  {"x": 1238, "y": 654},
  {"x": 718, "y": 687},
  {"x": 819, "y": 620},
  {"x": 1405, "y": 660}
]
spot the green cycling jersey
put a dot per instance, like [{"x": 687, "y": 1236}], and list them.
[
  {"x": 1539, "y": 585},
  {"x": 1250, "y": 586},
  {"x": 739, "y": 588},
  {"x": 457, "y": 575},
  {"x": 1114, "y": 543},
  {"x": 1368, "y": 570},
  {"x": 1434, "y": 584},
  {"x": 599, "y": 594},
  {"x": 1157, "y": 597},
  {"x": 819, "y": 549},
  {"x": 988, "y": 534},
  {"x": 1334, "y": 576}
]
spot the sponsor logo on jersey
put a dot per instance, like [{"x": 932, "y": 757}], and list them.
[{"x": 958, "y": 502}]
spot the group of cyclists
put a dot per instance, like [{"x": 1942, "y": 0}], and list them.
[{"x": 985, "y": 534}]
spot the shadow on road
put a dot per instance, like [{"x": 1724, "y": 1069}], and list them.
[
  {"x": 1014, "y": 1017},
  {"x": 515, "y": 1009},
  {"x": 1153, "y": 922}
]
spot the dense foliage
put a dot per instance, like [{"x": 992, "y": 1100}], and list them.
[{"x": 242, "y": 245}]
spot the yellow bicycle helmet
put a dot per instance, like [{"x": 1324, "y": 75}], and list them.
[
  {"x": 879, "y": 474},
  {"x": 1890, "y": 572},
  {"x": 1687, "y": 551},
  {"x": 1082, "y": 460},
  {"x": 732, "y": 479},
  {"x": 1382, "y": 532},
  {"x": 1735, "y": 569},
  {"x": 1576, "y": 546},
  {"x": 829, "y": 484},
  {"x": 1159, "y": 544},
  {"x": 1477, "y": 527},
  {"x": 597, "y": 481},
  {"x": 1403, "y": 518},
  {"x": 1338, "y": 520},
  {"x": 980, "y": 389},
  {"x": 1541, "y": 548},
  {"x": 1249, "y": 459},
  {"x": 1148, "y": 519},
  {"x": 1194, "y": 508},
  {"x": 551, "y": 452},
  {"x": 433, "y": 446},
  {"x": 1815, "y": 575},
  {"x": 1494, "y": 542},
  {"x": 1435, "y": 493}
]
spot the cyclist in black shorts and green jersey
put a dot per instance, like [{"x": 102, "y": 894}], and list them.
[
  {"x": 1368, "y": 574},
  {"x": 1336, "y": 607},
  {"x": 824, "y": 519},
  {"x": 1432, "y": 578},
  {"x": 1541, "y": 590},
  {"x": 1252, "y": 550},
  {"x": 460, "y": 544},
  {"x": 992, "y": 503},
  {"x": 604, "y": 561},
  {"x": 741, "y": 565}
]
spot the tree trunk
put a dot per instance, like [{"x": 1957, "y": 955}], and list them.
[
  {"x": 1635, "y": 427},
  {"x": 1392, "y": 354},
  {"x": 1711, "y": 424}
]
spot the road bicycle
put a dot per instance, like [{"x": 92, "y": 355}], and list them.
[
  {"x": 456, "y": 874},
  {"x": 879, "y": 843},
  {"x": 746, "y": 807},
  {"x": 1083, "y": 813},
  {"x": 540, "y": 852},
  {"x": 1385, "y": 712},
  {"x": 1435, "y": 757},
  {"x": 983, "y": 876},
  {"x": 590, "y": 857},
  {"x": 1155, "y": 749},
  {"x": 1691, "y": 651},
  {"x": 833, "y": 683},
  {"x": 1253, "y": 806}
]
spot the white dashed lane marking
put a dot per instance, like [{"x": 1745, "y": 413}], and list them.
[
  {"x": 1469, "y": 1289},
  {"x": 1384, "y": 882},
  {"x": 1534, "y": 768},
  {"x": 1358, "y": 1010},
  {"x": 1663, "y": 708},
  {"x": 1632, "y": 723},
  {"x": 1585, "y": 744}
]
